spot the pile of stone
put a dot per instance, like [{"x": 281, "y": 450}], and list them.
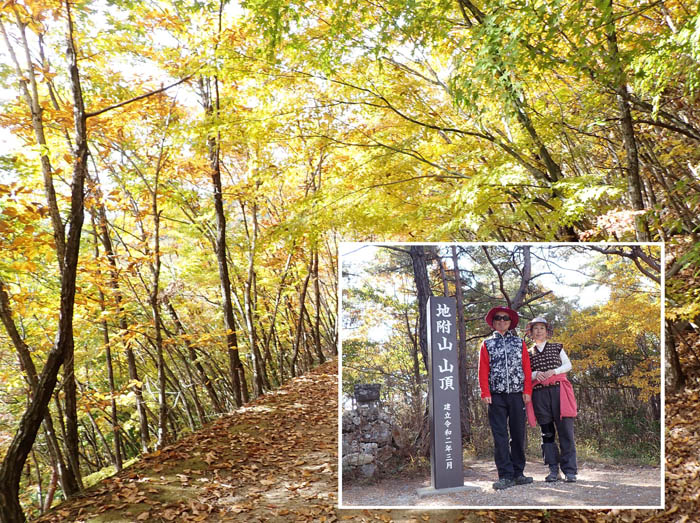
[{"x": 367, "y": 435}]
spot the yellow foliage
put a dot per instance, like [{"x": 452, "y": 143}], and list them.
[{"x": 619, "y": 340}]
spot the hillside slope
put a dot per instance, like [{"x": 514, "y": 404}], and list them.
[{"x": 276, "y": 458}]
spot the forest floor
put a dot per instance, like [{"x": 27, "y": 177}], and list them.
[{"x": 276, "y": 460}]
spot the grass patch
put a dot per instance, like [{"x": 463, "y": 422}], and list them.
[{"x": 106, "y": 472}]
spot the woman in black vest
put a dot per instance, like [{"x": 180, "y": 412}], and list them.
[{"x": 553, "y": 402}]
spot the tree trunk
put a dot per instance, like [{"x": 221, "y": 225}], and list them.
[
  {"x": 300, "y": 321},
  {"x": 333, "y": 325},
  {"x": 136, "y": 387},
  {"x": 98, "y": 432},
  {"x": 50, "y": 490},
  {"x": 525, "y": 277},
  {"x": 204, "y": 377},
  {"x": 259, "y": 377},
  {"x": 18, "y": 450},
  {"x": 317, "y": 324},
  {"x": 634, "y": 184},
  {"x": 271, "y": 333},
  {"x": 423, "y": 291},
  {"x": 68, "y": 483},
  {"x": 72, "y": 440},
  {"x": 110, "y": 370},
  {"x": 464, "y": 385},
  {"x": 420, "y": 276},
  {"x": 40, "y": 487},
  {"x": 192, "y": 390},
  {"x": 236, "y": 367}
]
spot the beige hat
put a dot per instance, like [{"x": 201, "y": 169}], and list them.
[{"x": 538, "y": 319}]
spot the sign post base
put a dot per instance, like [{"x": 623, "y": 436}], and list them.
[{"x": 431, "y": 491}]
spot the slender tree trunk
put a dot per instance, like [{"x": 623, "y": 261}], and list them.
[
  {"x": 420, "y": 275},
  {"x": 204, "y": 377},
  {"x": 525, "y": 277},
  {"x": 464, "y": 385},
  {"x": 333, "y": 327},
  {"x": 443, "y": 278},
  {"x": 317, "y": 323},
  {"x": 90, "y": 438},
  {"x": 193, "y": 390},
  {"x": 50, "y": 490},
  {"x": 110, "y": 370},
  {"x": 72, "y": 440},
  {"x": 634, "y": 184},
  {"x": 236, "y": 367},
  {"x": 259, "y": 377},
  {"x": 300, "y": 321},
  {"x": 136, "y": 386},
  {"x": 40, "y": 486},
  {"x": 18, "y": 450},
  {"x": 105, "y": 444},
  {"x": 163, "y": 436},
  {"x": 273, "y": 318}
]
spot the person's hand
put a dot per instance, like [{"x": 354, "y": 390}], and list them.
[
  {"x": 526, "y": 398},
  {"x": 547, "y": 374},
  {"x": 539, "y": 376},
  {"x": 486, "y": 400}
]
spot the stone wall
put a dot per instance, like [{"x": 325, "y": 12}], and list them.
[{"x": 367, "y": 441}]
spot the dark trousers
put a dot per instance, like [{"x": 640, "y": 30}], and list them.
[
  {"x": 507, "y": 411},
  {"x": 567, "y": 445},
  {"x": 545, "y": 402}
]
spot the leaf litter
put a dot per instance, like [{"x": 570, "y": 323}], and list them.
[{"x": 276, "y": 459}]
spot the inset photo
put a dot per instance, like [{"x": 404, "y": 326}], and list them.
[{"x": 501, "y": 375}]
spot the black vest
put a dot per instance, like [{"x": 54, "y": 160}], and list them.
[{"x": 548, "y": 359}]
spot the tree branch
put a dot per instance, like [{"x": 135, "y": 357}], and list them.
[{"x": 140, "y": 97}]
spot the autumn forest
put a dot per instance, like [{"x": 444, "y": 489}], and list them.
[{"x": 176, "y": 178}]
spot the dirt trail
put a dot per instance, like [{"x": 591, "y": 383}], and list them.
[
  {"x": 274, "y": 460},
  {"x": 597, "y": 486}
]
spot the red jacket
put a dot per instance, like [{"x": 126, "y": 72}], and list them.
[{"x": 567, "y": 401}]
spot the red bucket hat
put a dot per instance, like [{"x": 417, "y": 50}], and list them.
[{"x": 510, "y": 312}]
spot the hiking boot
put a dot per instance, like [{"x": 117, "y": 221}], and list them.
[
  {"x": 553, "y": 474},
  {"x": 550, "y": 452},
  {"x": 570, "y": 478},
  {"x": 523, "y": 480},
  {"x": 503, "y": 483}
]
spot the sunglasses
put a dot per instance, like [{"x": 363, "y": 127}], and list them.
[{"x": 501, "y": 318}]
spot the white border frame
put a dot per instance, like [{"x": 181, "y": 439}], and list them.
[{"x": 662, "y": 327}]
